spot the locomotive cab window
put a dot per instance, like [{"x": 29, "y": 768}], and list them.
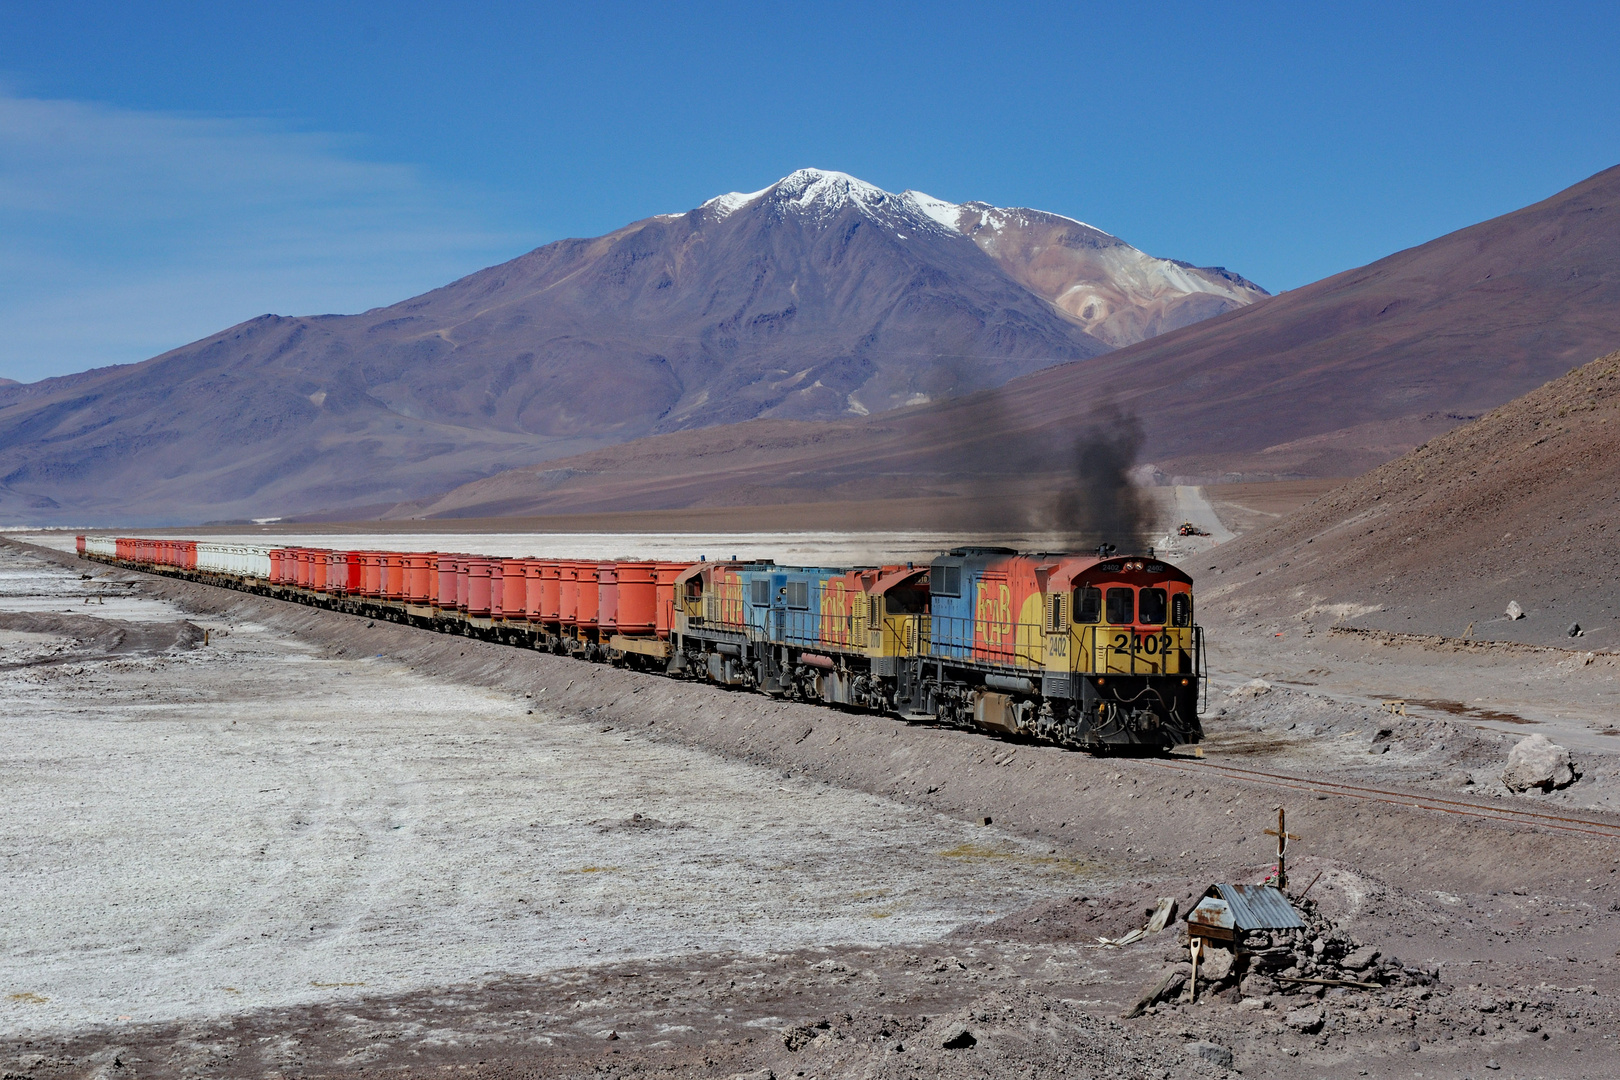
[
  {"x": 1150, "y": 606},
  {"x": 905, "y": 601},
  {"x": 798, "y": 594},
  {"x": 1121, "y": 606},
  {"x": 1181, "y": 609},
  {"x": 1087, "y": 604},
  {"x": 949, "y": 581}
]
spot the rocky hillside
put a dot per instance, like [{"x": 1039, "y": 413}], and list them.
[
  {"x": 818, "y": 297},
  {"x": 1519, "y": 506},
  {"x": 1119, "y": 294}
]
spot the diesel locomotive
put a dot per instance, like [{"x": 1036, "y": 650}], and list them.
[{"x": 1096, "y": 651}]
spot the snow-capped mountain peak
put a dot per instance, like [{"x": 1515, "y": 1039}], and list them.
[
  {"x": 819, "y": 193},
  {"x": 1118, "y": 293},
  {"x": 819, "y": 189},
  {"x": 814, "y": 193}
]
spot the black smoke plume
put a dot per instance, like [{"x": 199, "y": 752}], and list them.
[
  {"x": 1014, "y": 477},
  {"x": 1097, "y": 503}
]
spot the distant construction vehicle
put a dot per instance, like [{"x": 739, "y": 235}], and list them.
[{"x": 1189, "y": 529}]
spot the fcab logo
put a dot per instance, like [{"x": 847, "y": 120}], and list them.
[{"x": 993, "y": 611}]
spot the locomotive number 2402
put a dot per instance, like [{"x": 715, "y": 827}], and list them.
[{"x": 1152, "y": 644}]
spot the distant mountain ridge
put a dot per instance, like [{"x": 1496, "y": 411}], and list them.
[
  {"x": 1330, "y": 379},
  {"x": 818, "y": 297}
]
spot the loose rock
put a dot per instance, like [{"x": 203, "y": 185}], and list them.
[
  {"x": 1215, "y": 965},
  {"x": 1308, "y": 1020},
  {"x": 1167, "y": 987},
  {"x": 1359, "y": 959},
  {"x": 1514, "y": 611},
  {"x": 1217, "y": 1055}
]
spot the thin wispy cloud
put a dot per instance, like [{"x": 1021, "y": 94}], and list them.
[{"x": 124, "y": 233}]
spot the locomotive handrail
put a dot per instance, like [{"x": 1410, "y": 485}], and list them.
[
  {"x": 1198, "y": 666},
  {"x": 968, "y": 637}
]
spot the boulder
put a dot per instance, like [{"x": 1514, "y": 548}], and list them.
[
  {"x": 1538, "y": 762},
  {"x": 1514, "y": 611},
  {"x": 1215, "y": 1054},
  {"x": 1215, "y": 964}
]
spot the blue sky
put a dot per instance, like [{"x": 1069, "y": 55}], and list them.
[{"x": 167, "y": 170}]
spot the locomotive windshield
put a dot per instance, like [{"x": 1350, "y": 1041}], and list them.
[
  {"x": 1150, "y": 606},
  {"x": 1121, "y": 606}
]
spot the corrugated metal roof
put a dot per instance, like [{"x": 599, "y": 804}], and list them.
[
  {"x": 1258, "y": 907},
  {"x": 1212, "y": 911}
]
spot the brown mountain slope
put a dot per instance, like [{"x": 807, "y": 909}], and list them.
[
  {"x": 1328, "y": 380},
  {"x": 1519, "y": 505},
  {"x": 818, "y": 297}
]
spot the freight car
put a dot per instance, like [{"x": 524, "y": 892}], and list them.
[{"x": 1096, "y": 651}]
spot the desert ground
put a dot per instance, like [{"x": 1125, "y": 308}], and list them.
[{"x": 249, "y": 838}]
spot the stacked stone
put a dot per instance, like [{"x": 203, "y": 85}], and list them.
[{"x": 1322, "y": 951}]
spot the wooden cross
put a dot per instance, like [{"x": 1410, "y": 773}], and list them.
[{"x": 1283, "y": 836}]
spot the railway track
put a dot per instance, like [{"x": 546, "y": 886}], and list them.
[{"x": 1413, "y": 800}]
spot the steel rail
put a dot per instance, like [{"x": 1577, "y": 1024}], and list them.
[
  {"x": 1511, "y": 810},
  {"x": 1514, "y": 815}
]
